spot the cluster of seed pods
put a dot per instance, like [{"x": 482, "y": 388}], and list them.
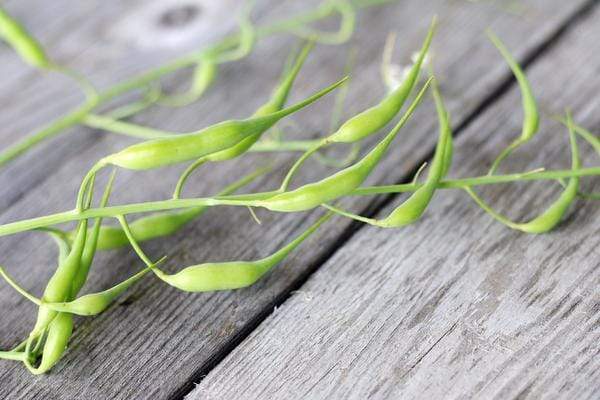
[{"x": 226, "y": 140}]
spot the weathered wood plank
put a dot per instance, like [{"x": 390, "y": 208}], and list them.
[
  {"x": 456, "y": 306},
  {"x": 157, "y": 335},
  {"x": 104, "y": 49}
]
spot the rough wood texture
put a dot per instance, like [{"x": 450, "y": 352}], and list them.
[
  {"x": 155, "y": 342},
  {"x": 456, "y": 306}
]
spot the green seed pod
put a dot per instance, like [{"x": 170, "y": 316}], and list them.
[
  {"x": 376, "y": 117},
  {"x": 275, "y": 104},
  {"x": 167, "y": 151},
  {"x": 413, "y": 208},
  {"x": 231, "y": 275},
  {"x": 22, "y": 42},
  {"x": 553, "y": 214},
  {"x": 531, "y": 119},
  {"x": 95, "y": 303},
  {"x": 341, "y": 183},
  {"x": 59, "y": 333}
]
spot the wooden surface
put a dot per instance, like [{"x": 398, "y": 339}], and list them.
[{"x": 456, "y": 306}]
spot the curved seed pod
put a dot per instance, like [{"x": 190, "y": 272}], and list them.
[
  {"x": 22, "y": 42},
  {"x": 167, "y": 151},
  {"x": 373, "y": 119},
  {"x": 64, "y": 247},
  {"x": 95, "y": 303},
  {"x": 91, "y": 244},
  {"x": 60, "y": 284},
  {"x": 531, "y": 119},
  {"x": 286, "y": 81},
  {"x": 376, "y": 117},
  {"x": 52, "y": 329},
  {"x": 414, "y": 207},
  {"x": 275, "y": 104},
  {"x": 553, "y": 215},
  {"x": 59, "y": 333},
  {"x": 341, "y": 183},
  {"x": 231, "y": 275}
]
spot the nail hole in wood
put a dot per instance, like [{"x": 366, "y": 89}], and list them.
[{"x": 179, "y": 16}]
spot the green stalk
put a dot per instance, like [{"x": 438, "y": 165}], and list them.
[
  {"x": 249, "y": 200},
  {"x": 480, "y": 181}
]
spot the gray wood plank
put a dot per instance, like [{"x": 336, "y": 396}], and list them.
[
  {"x": 456, "y": 306},
  {"x": 155, "y": 341},
  {"x": 104, "y": 49}
]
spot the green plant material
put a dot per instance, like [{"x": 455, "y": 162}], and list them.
[
  {"x": 531, "y": 119},
  {"x": 162, "y": 224},
  {"x": 54, "y": 329},
  {"x": 91, "y": 244},
  {"x": 246, "y": 39},
  {"x": 341, "y": 183},
  {"x": 231, "y": 275},
  {"x": 250, "y": 199},
  {"x": 275, "y": 104},
  {"x": 207, "y": 67},
  {"x": 588, "y": 136},
  {"x": 554, "y": 214},
  {"x": 198, "y": 278},
  {"x": 12, "y": 355},
  {"x": 347, "y": 25},
  {"x": 79, "y": 114},
  {"x": 414, "y": 207},
  {"x": 373, "y": 119},
  {"x": 150, "y": 96},
  {"x": 59, "y": 237},
  {"x": 336, "y": 116},
  {"x": 172, "y": 150},
  {"x": 204, "y": 75},
  {"x": 51, "y": 327},
  {"x": 22, "y": 42},
  {"x": 594, "y": 141},
  {"x": 57, "y": 338},
  {"x": 89, "y": 304}
]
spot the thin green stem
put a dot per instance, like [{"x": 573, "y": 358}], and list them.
[
  {"x": 12, "y": 355},
  {"x": 251, "y": 199},
  {"x": 269, "y": 146},
  {"x": 480, "y": 181},
  {"x": 53, "y": 129},
  {"x": 124, "y": 128}
]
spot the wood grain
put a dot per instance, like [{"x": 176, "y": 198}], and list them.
[
  {"x": 155, "y": 341},
  {"x": 456, "y": 306}
]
